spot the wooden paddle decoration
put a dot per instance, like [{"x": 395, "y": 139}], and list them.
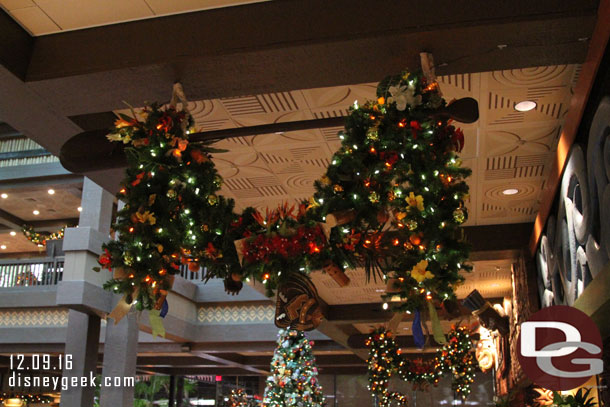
[
  {"x": 298, "y": 305},
  {"x": 91, "y": 151}
]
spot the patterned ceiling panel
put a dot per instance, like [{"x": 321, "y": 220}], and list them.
[{"x": 506, "y": 149}]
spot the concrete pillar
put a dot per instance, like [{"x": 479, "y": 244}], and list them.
[
  {"x": 82, "y": 346},
  {"x": 81, "y": 291},
  {"x": 120, "y": 354}
]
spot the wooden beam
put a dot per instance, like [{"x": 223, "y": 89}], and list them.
[
  {"x": 578, "y": 102},
  {"x": 230, "y": 362}
]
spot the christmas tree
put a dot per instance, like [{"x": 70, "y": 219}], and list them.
[
  {"x": 238, "y": 398},
  {"x": 294, "y": 376}
]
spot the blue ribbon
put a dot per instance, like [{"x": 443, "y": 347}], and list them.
[
  {"x": 418, "y": 334},
  {"x": 164, "y": 309}
]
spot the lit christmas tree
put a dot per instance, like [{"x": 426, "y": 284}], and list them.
[{"x": 294, "y": 376}]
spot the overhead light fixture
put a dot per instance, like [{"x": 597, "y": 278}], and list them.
[
  {"x": 525, "y": 106},
  {"x": 51, "y": 191},
  {"x": 80, "y": 209},
  {"x": 510, "y": 191},
  {"x": 4, "y": 196},
  {"x": 3, "y": 247},
  {"x": 36, "y": 212},
  {"x": 13, "y": 233}
]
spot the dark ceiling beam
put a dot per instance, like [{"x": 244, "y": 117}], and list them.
[
  {"x": 374, "y": 313},
  {"x": 11, "y": 155},
  {"x": 223, "y": 347},
  {"x": 286, "y": 45},
  {"x": 16, "y": 45},
  {"x": 10, "y": 220},
  {"x": 321, "y": 360},
  {"x": 230, "y": 361},
  {"x": 40, "y": 181}
]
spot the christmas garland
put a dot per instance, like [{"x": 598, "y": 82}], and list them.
[
  {"x": 40, "y": 239},
  {"x": 172, "y": 216},
  {"x": 27, "y": 398},
  {"x": 385, "y": 360},
  {"x": 391, "y": 201}
]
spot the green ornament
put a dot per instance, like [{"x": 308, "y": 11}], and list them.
[
  {"x": 218, "y": 231},
  {"x": 411, "y": 224},
  {"x": 171, "y": 194},
  {"x": 212, "y": 199},
  {"x": 459, "y": 216},
  {"x": 374, "y": 197}
]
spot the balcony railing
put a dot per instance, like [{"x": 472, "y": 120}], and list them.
[{"x": 31, "y": 272}]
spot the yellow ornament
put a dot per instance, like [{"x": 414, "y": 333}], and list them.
[
  {"x": 419, "y": 272},
  {"x": 459, "y": 216},
  {"x": 415, "y": 201},
  {"x": 372, "y": 134}
]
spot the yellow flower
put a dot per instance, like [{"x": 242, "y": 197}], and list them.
[
  {"x": 415, "y": 201},
  {"x": 146, "y": 217},
  {"x": 419, "y": 272}
]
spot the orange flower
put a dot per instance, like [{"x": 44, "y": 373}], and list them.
[{"x": 199, "y": 156}]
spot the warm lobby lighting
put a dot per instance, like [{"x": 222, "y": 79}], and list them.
[
  {"x": 13, "y": 233},
  {"x": 510, "y": 191},
  {"x": 525, "y": 106},
  {"x": 51, "y": 191},
  {"x": 79, "y": 209},
  {"x": 3, "y": 247},
  {"x": 16, "y": 402},
  {"x": 4, "y": 196},
  {"x": 36, "y": 212}
]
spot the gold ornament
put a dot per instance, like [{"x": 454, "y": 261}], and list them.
[
  {"x": 325, "y": 180},
  {"x": 372, "y": 134},
  {"x": 411, "y": 224},
  {"x": 459, "y": 216},
  {"x": 128, "y": 259},
  {"x": 217, "y": 181},
  {"x": 337, "y": 188},
  {"x": 374, "y": 197},
  {"x": 212, "y": 199},
  {"x": 205, "y": 228},
  {"x": 171, "y": 194}
]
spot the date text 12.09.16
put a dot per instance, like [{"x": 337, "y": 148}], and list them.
[{"x": 40, "y": 361}]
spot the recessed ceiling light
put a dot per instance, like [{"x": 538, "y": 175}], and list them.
[
  {"x": 51, "y": 191},
  {"x": 79, "y": 209},
  {"x": 4, "y": 196},
  {"x": 13, "y": 233},
  {"x": 510, "y": 191},
  {"x": 36, "y": 212},
  {"x": 525, "y": 106},
  {"x": 3, "y": 247}
]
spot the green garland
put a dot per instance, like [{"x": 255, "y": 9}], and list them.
[
  {"x": 172, "y": 215},
  {"x": 40, "y": 239},
  {"x": 391, "y": 201},
  {"x": 456, "y": 358}
]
